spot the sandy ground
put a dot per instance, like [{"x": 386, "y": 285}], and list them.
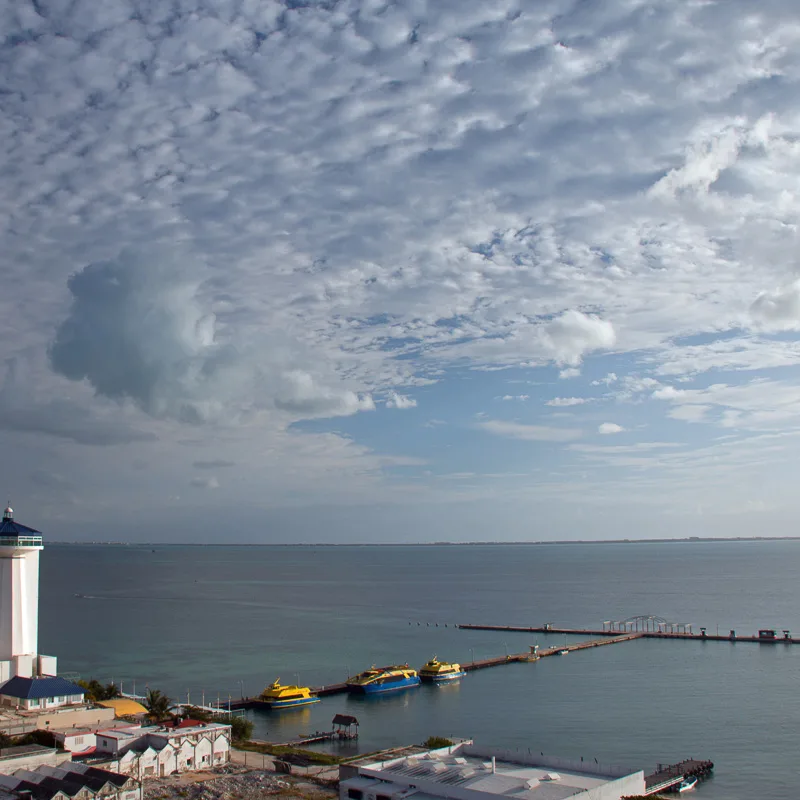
[{"x": 235, "y": 782}]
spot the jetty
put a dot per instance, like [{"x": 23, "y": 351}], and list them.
[
  {"x": 668, "y": 776},
  {"x": 647, "y": 628}
]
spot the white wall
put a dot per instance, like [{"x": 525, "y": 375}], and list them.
[{"x": 19, "y": 602}]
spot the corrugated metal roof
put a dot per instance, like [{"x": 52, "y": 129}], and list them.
[{"x": 38, "y": 688}]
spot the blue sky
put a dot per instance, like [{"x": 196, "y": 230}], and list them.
[{"x": 400, "y": 271}]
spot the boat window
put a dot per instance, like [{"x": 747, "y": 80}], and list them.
[{"x": 355, "y": 794}]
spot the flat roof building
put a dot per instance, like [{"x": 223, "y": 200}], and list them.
[{"x": 468, "y": 772}]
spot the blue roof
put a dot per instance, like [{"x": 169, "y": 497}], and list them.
[
  {"x": 10, "y": 527},
  {"x": 39, "y": 688}
]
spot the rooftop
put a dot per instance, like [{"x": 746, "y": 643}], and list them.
[
  {"x": 529, "y": 778},
  {"x": 123, "y": 706},
  {"x": 38, "y": 688},
  {"x": 44, "y": 783}
]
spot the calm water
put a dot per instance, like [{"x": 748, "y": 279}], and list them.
[{"x": 223, "y": 621}]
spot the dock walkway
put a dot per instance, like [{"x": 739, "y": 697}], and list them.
[{"x": 665, "y": 777}]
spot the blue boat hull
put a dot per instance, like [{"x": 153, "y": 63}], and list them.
[
  {"x": 383, "y": 688},
  {"x": 277, "y": 705}
]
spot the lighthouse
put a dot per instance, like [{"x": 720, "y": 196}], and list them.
[{"x": 19, "y": 601}]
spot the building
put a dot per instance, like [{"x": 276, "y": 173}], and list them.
[
  {"x": 39, "y": 694},
  {"x": 30, "y": 756},
  {"x": 66, "y": 781},
  {"x": 164, "y": 749},
  {"x": 19, "y": 601},
  {"x": 468, "y": 772}
]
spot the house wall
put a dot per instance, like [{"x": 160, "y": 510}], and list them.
[{"x": 83, "y": 717}]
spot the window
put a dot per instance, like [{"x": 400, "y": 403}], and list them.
[
  {"x": 355, "y": 794},
  {"x": 78, "y": 740},
  {"x": 33, "y": 703}
]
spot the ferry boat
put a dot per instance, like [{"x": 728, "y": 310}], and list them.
[
  {"x": 383, "y": 679},
  {"x": 278, "y": 696},
  {"x": 437, "y": 671}
]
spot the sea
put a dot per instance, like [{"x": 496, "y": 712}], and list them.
[{"x": 209, "y": 623}]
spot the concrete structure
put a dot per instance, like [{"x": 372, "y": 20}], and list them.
[
  {"x": 467, "y": 772},
  {"x": 30, "y": 756},
  {"x": 67, "y": 781},
  {"x": 164, "y": 750},
  {"x": 19, "y": 601}
]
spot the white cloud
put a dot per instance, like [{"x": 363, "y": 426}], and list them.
[
  {"x": 569, "y": 337},
  {"x": 569, "y": 372},
  {"x": 778, "y": 310},
  {"x": 529, "y": 433},
  {"x": 607, "y": 381},
  {"x": 519, "y": 397},
  {"x": 567, "y": 401},
  {"x": 606, "y": 428},
  {"x": 400, "y": 401}
]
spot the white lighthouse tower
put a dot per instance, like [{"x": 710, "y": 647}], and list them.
[{"x": 19, "y": 601}]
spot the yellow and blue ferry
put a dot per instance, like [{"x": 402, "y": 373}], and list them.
[
  {"x": 437, "y": 671},
  {"x": 383, "y": 679},
  {"x": 277, "y": 696}
]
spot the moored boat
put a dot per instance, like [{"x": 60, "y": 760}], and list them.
[
  {"x": 687, "y": 784},
  {"x": 383, "y": 679},
  {"x": 436, "y": 671},
  {"x": 277, "y": 696}
]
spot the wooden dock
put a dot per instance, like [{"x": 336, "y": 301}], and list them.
[
  {"x": 666, "y": 777},
  {"x": 613, "y": 634}
]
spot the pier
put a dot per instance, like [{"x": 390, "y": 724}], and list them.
[
  {"x": 667, "y": 777},
  {"x": 646, "y": 628}
]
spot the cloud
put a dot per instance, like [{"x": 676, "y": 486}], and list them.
[
  {"x": 569, "y": 337},
  {"x": 569, "y": 372},
  {"x": 606, "y": 428},
  {"x": 607, "y": 381},
  {"x": 62, "y": 417},
  {"x": 529, "y": 433},
  {"x": 137, "y": 329},
  {"x": 205, "y": 483},
  {"x": 562, "y": 402},
  {"x": 400, "y": 401},
  {"x": 778, "y": 310},
  {"x": 519, "y": 397}
]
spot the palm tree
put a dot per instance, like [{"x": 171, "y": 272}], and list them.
[{"x": 157, "y": 704}]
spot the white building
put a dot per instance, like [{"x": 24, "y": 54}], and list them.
[
  {"x": 164, "y": 750},
  {"x": 467, "y": 772},
  {"x": 19, "y": 601}
]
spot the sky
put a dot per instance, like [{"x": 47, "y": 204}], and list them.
[{"x": 400, "y": 270}]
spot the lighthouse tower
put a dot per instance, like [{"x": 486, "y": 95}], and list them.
[{"x": 19, "y": 601}]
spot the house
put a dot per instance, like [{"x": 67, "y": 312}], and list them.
[
  {"x": 36, "y": 694},
  {"x": 164, "y": 749},
  {"x": 66, "y": 781},
  {"x": 467, "y": 772}
]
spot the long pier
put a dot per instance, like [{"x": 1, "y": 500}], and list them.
[{"x": 615, "y": 634}]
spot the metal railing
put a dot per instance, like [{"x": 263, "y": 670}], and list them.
[{"x": 20, "y": 541}]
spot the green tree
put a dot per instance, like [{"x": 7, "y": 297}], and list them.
[{"x": 157, "y": 704}]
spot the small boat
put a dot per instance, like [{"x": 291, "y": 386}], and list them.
[
  {"x": 436, "y": 671},
  {"x": 277, "y": 696},
  {"x": 383, "y": 679},
  {"x": 687, "y": 783},
  {"x": 563, "y": 652}
]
